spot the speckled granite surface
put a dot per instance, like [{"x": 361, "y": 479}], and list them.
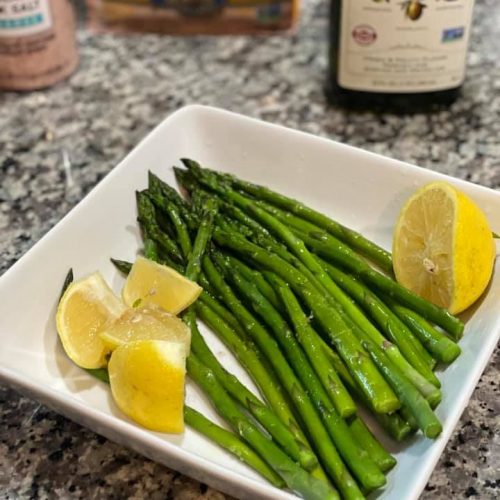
[{"x": 123, "y": 88}]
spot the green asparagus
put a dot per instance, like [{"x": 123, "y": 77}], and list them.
[
  {"x": 327, "y": 453},
  {"x": 67, "y": 281},
  {"x": 371, "y": 445},
  {"x": 296, "y": 478},
  {"x": 440, "y": 346},
  {"x": 368, "y": 378},
  {"x": 147, "y": 219},
  {"x": 348, "y": 236},
  {"x": 231, "y": 443},
  {"x": 365, "y": 470}
]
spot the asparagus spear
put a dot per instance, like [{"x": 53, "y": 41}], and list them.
[
  {"x": 147, "y": 219},
  {"x": 408, "y": 416},
  {"x": 364, "y": 469},
  {"x": 394, "y": 329},
  {"x": 313, "y": 424},
  {"x": 203, "y": 236},
  {"x": 440, "y": 346},
  {"x": 210, "y": 301},
  {"x": 348, "y": 236},
  {"x": 371, "y": 445},
  {"x": 185, "y": 179},
  {"x": 231, "y": 443},
  {"x": 296, "y": 478},
  {"x": 162, "y": 195},
  {"x": 256, "y": 277},
  {"x": 150, "y": 249},
  {"x": 122, "y": 265},
  {"x": 160, "y": 189},
  {"x": 67, "y": 281},
  {"x": 412, "y": 399},
  {"x": 183, "y": 238},
  {"x": 313, "y": 348}
]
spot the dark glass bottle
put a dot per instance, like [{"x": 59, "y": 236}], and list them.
[{"x": 398, "y": 55}]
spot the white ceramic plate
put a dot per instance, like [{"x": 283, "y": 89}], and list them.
[{"x": 361, "y": 189}]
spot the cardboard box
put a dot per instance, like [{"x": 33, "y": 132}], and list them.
[{"x": 191, "y": 17}]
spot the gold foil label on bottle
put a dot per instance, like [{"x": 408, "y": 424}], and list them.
[
  {"x": 403, "y": 46},
  {"x": 24, "y": 17}
]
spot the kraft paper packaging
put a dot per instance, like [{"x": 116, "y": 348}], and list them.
[{"x": 191, "y": 17}]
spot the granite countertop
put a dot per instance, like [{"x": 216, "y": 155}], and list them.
[{"x": 123, "y": 88}]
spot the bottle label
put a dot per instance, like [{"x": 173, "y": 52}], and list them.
[
  {"x": 403, "y": 46},
  {"x": 24, "y": 17}
]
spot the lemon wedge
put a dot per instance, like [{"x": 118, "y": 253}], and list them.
[
  {"x": 86, "y": 307},
  {"x": 150, "y": 282},
  {"x": 147, "y": 382},
  {"x": 148, "y": 322},
  {"x": 443, "y": 248}
]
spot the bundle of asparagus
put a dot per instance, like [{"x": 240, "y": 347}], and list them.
[{"x": 318, "y": 329}]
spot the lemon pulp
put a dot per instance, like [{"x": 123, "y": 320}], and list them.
[
  {"x": 148, "y": 322},
  {"x": 86, "y": 307},
  {"x": 443, "y": 247},
  {"x": 150, "y": 282}
]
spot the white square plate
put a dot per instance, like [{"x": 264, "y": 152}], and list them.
[{"x": 361, "y": 189}]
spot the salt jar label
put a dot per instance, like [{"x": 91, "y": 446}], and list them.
[
  {"x": 403, "y": 46},
  {"x": 24, "y": 17}
]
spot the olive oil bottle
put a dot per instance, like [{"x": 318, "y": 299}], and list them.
[{"x": 397, "y": 54}]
